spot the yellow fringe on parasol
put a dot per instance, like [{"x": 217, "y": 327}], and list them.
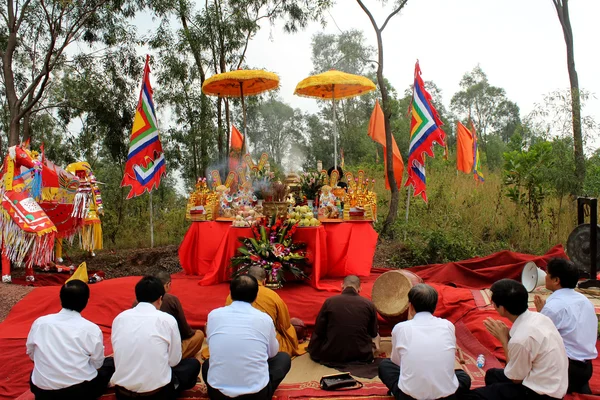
[
  {"x": 228, "y": 84},
  {"x": 334, "y": 85}
]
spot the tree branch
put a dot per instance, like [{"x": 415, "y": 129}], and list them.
[
  {"x": 366, "y": 10},
  {"x": 396, "y": 11}
]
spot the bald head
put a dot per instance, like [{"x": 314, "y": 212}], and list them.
[
  {"x": 258, "y": 272},
  {"x": 351, "y": 281},
  {"x": 164, "y": 276}
]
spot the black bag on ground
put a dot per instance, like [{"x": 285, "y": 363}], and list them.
[{"x": 343, "y": 381}]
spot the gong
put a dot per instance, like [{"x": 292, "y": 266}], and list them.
[{"x": 578, "y": 247}]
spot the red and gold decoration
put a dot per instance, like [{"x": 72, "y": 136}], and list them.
[
  {"x": 203, "y": 203},
  {"x": 361, "y": 200}
]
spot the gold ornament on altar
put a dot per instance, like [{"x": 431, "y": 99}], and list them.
[
  {"x": 361, "y": 200},
  {"x": 203, "y": 203}
]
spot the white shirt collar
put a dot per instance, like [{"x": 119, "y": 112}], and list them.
[
  {"x": 562, "y": 291},
  {"x": 145, "y": 307},
  {"x": 240, "y": 304},
  {"x": 422, "y": 315},
  {"x": 518, "y": 321},
  {"x": 71, "y": 313}
]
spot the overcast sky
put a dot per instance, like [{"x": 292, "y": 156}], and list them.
[{"x": 518, "y": 43}]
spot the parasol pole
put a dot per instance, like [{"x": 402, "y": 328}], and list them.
[
  {"x": 151, "y": 223},
  {"x": 244, "y": 115},
  {"x": 334, "y": 129}
]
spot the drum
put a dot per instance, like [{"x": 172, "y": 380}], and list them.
[{"x": 390, "y": 294}]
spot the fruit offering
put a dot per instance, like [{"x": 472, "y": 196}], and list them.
[
  {"x": 303, "y": 215},
  {"x": 245, "y": 217}
]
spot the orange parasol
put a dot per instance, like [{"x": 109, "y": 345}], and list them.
[
  {"x": 332, "y": 85},
  {"x": 240, "y": 83}
]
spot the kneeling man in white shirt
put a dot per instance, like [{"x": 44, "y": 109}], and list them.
[
  {"x": 575, "y": 318},
  {"x": 147, "y": 349},
  {"x": 68, "y": 351},
  {"x": 422, "y": 364},
  {"x": 536, "y": 361},
  {"x": 245, "y": 361}
]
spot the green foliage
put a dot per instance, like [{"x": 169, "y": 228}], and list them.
[{"x": 524, "y": 176}]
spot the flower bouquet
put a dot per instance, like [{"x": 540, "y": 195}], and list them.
[
  {"x": 311, "y": 183},
  {"x": 273, "y": 249}
]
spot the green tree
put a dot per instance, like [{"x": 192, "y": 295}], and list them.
[
  {"x": 485, "y": 104},
  {"x": 385, "y": 100},
  {"x": 35, "y": 37}
]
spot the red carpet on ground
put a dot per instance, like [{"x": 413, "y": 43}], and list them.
[{"x": 110, "y": 297}]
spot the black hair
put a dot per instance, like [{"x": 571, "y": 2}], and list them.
[
  {"x": 164, "y": 276},
  {"x": 74, "y": 295},
  {"x": 510, "y": 294},
  {"x": 423, "y": 298},
  {"x": 244, "y": 288},
  {"x": 149, "y": 289},
  {"x": 565, "y": 270}
]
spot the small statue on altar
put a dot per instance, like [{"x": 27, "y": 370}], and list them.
[
  {"x": 326, "y": 201},
  {"x": 244, "y": 197},
  {"x": 225, "y": 200}
]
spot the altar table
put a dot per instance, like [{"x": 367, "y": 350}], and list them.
[{"x": 333, "y": 250}]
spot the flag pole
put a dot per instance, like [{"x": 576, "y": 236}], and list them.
[
  {"x": 408, "y": 201},
  {"x": 151, "y": 224}
]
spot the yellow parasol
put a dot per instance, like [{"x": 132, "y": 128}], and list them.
[
  {"x": 240, "y": 83},
  {"x": 332, "y": 85}
]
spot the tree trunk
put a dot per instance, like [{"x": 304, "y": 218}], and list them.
[
  {"x": 389, "y": 155},
  {"x": 27, "y": 126},
  {"x": 562, "y": 9},
  {"x": 220, "y": 129}
]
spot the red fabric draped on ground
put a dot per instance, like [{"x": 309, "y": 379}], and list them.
[
  {"x": 110, "y": 297},
  {"x": 334, "y": 250}
]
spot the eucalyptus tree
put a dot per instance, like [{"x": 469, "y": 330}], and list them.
[
  {"x": 562, "y": 10},
  {"x": 386, "y": 105},
  {"x": 36, "y": 38}
]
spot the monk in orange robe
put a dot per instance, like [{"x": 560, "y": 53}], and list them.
[{"x": 270, "y": 303}]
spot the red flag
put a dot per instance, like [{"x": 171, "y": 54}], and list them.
[
  {"x": 377, "y": 133},
  {"x": 236, "y": 139},
  {"x": 235, "y": 153},
  {"x": 464, "y": 148}
]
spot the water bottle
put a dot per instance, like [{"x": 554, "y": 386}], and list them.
[{"x": 480, "y": 361}]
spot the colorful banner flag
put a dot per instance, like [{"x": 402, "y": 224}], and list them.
[
  {"x": 342, "y": 163},
  {"x": 425, "y": 131},
  {"x": 145, "y": 162},
  {"x": 477, "y": 174},
  {"x": 377, "y": 133},
  {"x": 464, "y": 149}
]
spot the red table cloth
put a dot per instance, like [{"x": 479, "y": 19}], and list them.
[{"x": 333, "y": 249}]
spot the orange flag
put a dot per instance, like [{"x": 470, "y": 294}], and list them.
[
  {"x": 377, "y": 133},
  {"x": 464, "y": 149},
  {"x": 236, "y": 139}
]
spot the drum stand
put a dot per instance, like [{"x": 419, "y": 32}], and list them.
[{"x": 593, "y": 204}]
